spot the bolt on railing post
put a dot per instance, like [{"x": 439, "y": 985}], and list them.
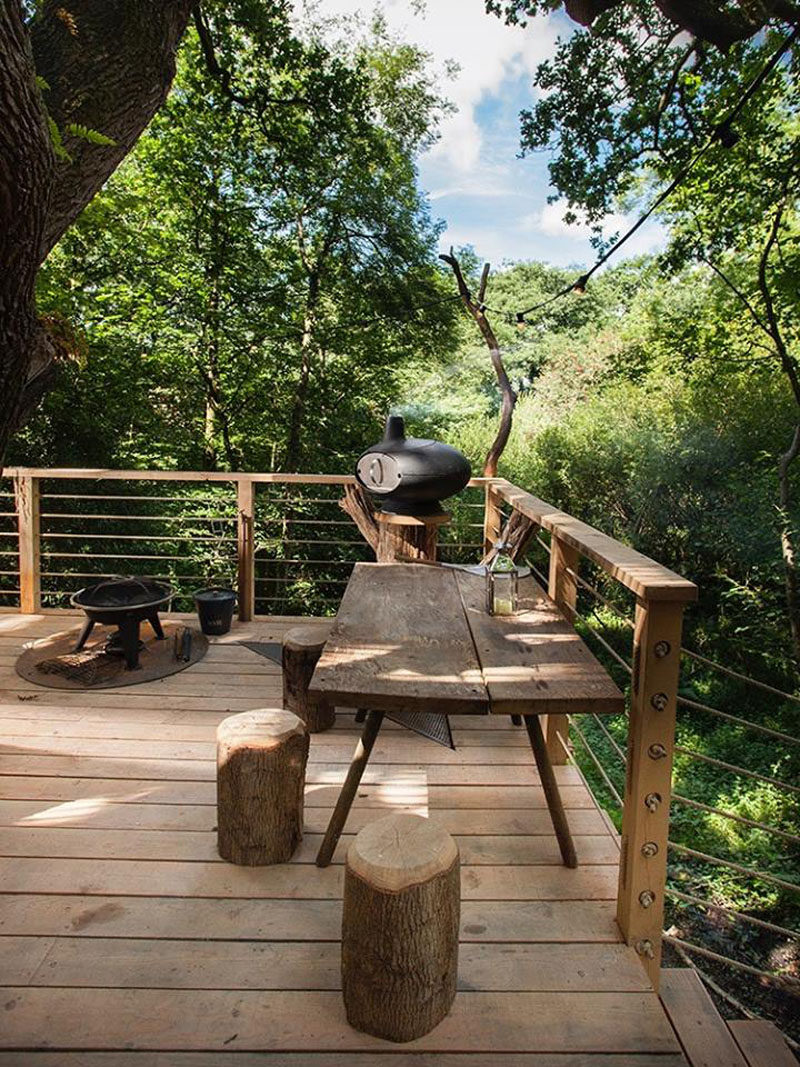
[
  {"x": 492, "y": 518},
  {"x": 245, "y": 547},
  {"x": 648, "y": 781},
  {"x": 26, "y": 493},
  {"x": 563, "y": 589}
]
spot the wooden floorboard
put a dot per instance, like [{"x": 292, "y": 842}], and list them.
[
  {"x": 333, "y": 1059},
  {"x": 127, "y": 940},
  {"x": 297, "y": 1020},
  {"x": 703, "y": 1034},
  {"x": 762, "y": 1043}
]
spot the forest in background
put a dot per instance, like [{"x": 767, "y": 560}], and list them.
[{"x": 256, "y": 290}]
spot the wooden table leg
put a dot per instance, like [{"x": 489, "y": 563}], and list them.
[
  {"x": 351, "y": 782},
  {"x": 551, "y": 793}
]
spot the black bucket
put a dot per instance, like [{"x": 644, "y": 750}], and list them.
[{"x": 215, "y": 610}]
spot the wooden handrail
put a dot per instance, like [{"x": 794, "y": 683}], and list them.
[
  {"x": 646, "y": 578},
  {"x": 264, "y": 477}
]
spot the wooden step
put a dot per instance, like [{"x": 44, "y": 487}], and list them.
[
  {"x": 762, "y": 1043},
  {"x": 701, "y": 1030}
]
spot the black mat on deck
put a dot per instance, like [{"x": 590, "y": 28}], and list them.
[
  {"x": 429, "y": 724},
  {"x": 267, "y": 649}
]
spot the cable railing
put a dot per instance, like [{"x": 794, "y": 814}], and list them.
[
  {"x": 281, "y": 540},
  {"x": 686, "y": 882}
]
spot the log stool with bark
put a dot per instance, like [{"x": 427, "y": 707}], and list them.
[
  {"x": 261, "y": 771},
  {"x": 302, "y": 647},
  {"x": 400, "y": 927}
]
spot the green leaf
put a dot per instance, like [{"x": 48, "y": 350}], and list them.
[
  {"x": 58, "y": 144},
  {"x": 76, "y": 129}
]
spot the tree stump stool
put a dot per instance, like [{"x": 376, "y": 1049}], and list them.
[
  {"x": 302, "y": 647},
  {"x": 261, "y": 771},
  {"x": 402, "y": 900}
]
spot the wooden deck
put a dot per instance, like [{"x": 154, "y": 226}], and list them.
[{"x": 126, "y": 940}]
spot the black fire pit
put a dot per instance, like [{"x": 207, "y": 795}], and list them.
[
  {"x": 124, "y": 603},
  {"x": 409, "y": 475}
]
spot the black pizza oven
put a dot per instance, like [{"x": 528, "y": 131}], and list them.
[{"x": 410, "y": 475}]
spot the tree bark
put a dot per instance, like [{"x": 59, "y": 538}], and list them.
[
  {"x": 302, "y": 647},
  {"x": 355, "y": 503},
  {"x": 27, "y": 166},
  {"x": 721, "y": 24},
  {"x": 400, "y": 927},
  {"x": 261, "y": 767},
  {"x": 107, "y": 65},
  {"x": 406, "y": 541}
]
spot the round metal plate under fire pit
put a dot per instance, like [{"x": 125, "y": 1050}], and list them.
[{"x": 52, "y": 661}]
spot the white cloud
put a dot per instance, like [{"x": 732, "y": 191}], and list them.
[
  {"x": 487, "y": 52},
  {"x": 550, "y": 221}
]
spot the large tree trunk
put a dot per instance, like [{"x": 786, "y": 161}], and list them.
[
  {"x": 107, "y": 65},
  {"x": 27, "y": 164}
]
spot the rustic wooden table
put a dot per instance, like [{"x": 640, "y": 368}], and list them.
[{"x": 415, "y": 637}]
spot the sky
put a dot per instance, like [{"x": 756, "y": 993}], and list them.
[{"x": 476, "y": 182}]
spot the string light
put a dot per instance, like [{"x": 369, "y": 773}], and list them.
[
  {"x": 579, "y": 286},
  {"x": 723, "y": 133},
  {"x": 727, "y": 136}
]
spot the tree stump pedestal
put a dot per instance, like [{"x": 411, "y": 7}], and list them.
[
  {"x": 302, "y": 647},
  {"x": 406, "y": 537},
  {"x": 400, "y": 927},
  {"x": 261, "y": 772}
]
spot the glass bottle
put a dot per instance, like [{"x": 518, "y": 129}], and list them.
[{"x": 502, "y": 580}]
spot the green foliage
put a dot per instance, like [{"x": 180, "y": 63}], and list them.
[
  {"x": 75, "y": 129},
  {"x": 244, "y": 281}
]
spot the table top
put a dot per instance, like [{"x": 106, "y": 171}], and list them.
[{"x": 415, "y": 637}]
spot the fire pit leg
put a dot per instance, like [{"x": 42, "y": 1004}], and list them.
[
  {"x": 88, "y": 626},
  {"x": 129, "y": 638},
  {"x": 155, "y": 622}
]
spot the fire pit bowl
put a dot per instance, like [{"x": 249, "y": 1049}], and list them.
[
  {"x": 409, "y": 475},
  {"x": 124, "y": 603}
]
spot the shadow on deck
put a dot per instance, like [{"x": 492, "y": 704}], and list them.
[{"x": 126, "y": 940}]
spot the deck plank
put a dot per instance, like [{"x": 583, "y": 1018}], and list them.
[
  {"x": 121, "y": 928},
  {"x": 297, "y": 1020},
  {"x": 761, "y": 1043},
  {"x": 222, "y": 880},
  {"x": 705, "y": 1038},
  {"x": 89, "y": 843},
  {"x": 143, "y": 963},
  {"x": 111, "y": 815},
  {"x": 49, "y": 915},
  {"x": 372, "y": 794},
  {"x": 334, "y": 1059},
  {"x": 20, "y": 762}
]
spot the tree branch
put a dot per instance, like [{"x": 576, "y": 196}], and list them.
[
  {"x": 488, "y": 334},
  {"x": 787, "y": 362}
]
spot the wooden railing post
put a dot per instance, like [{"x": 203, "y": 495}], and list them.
[
  {"x": 492, "y": 518},
  {"x": 563, "y": 589},
  {"x": 648, "y": 782},
  {"x": 245, "y": 492},
  {"x": 26, "y": 492}
]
